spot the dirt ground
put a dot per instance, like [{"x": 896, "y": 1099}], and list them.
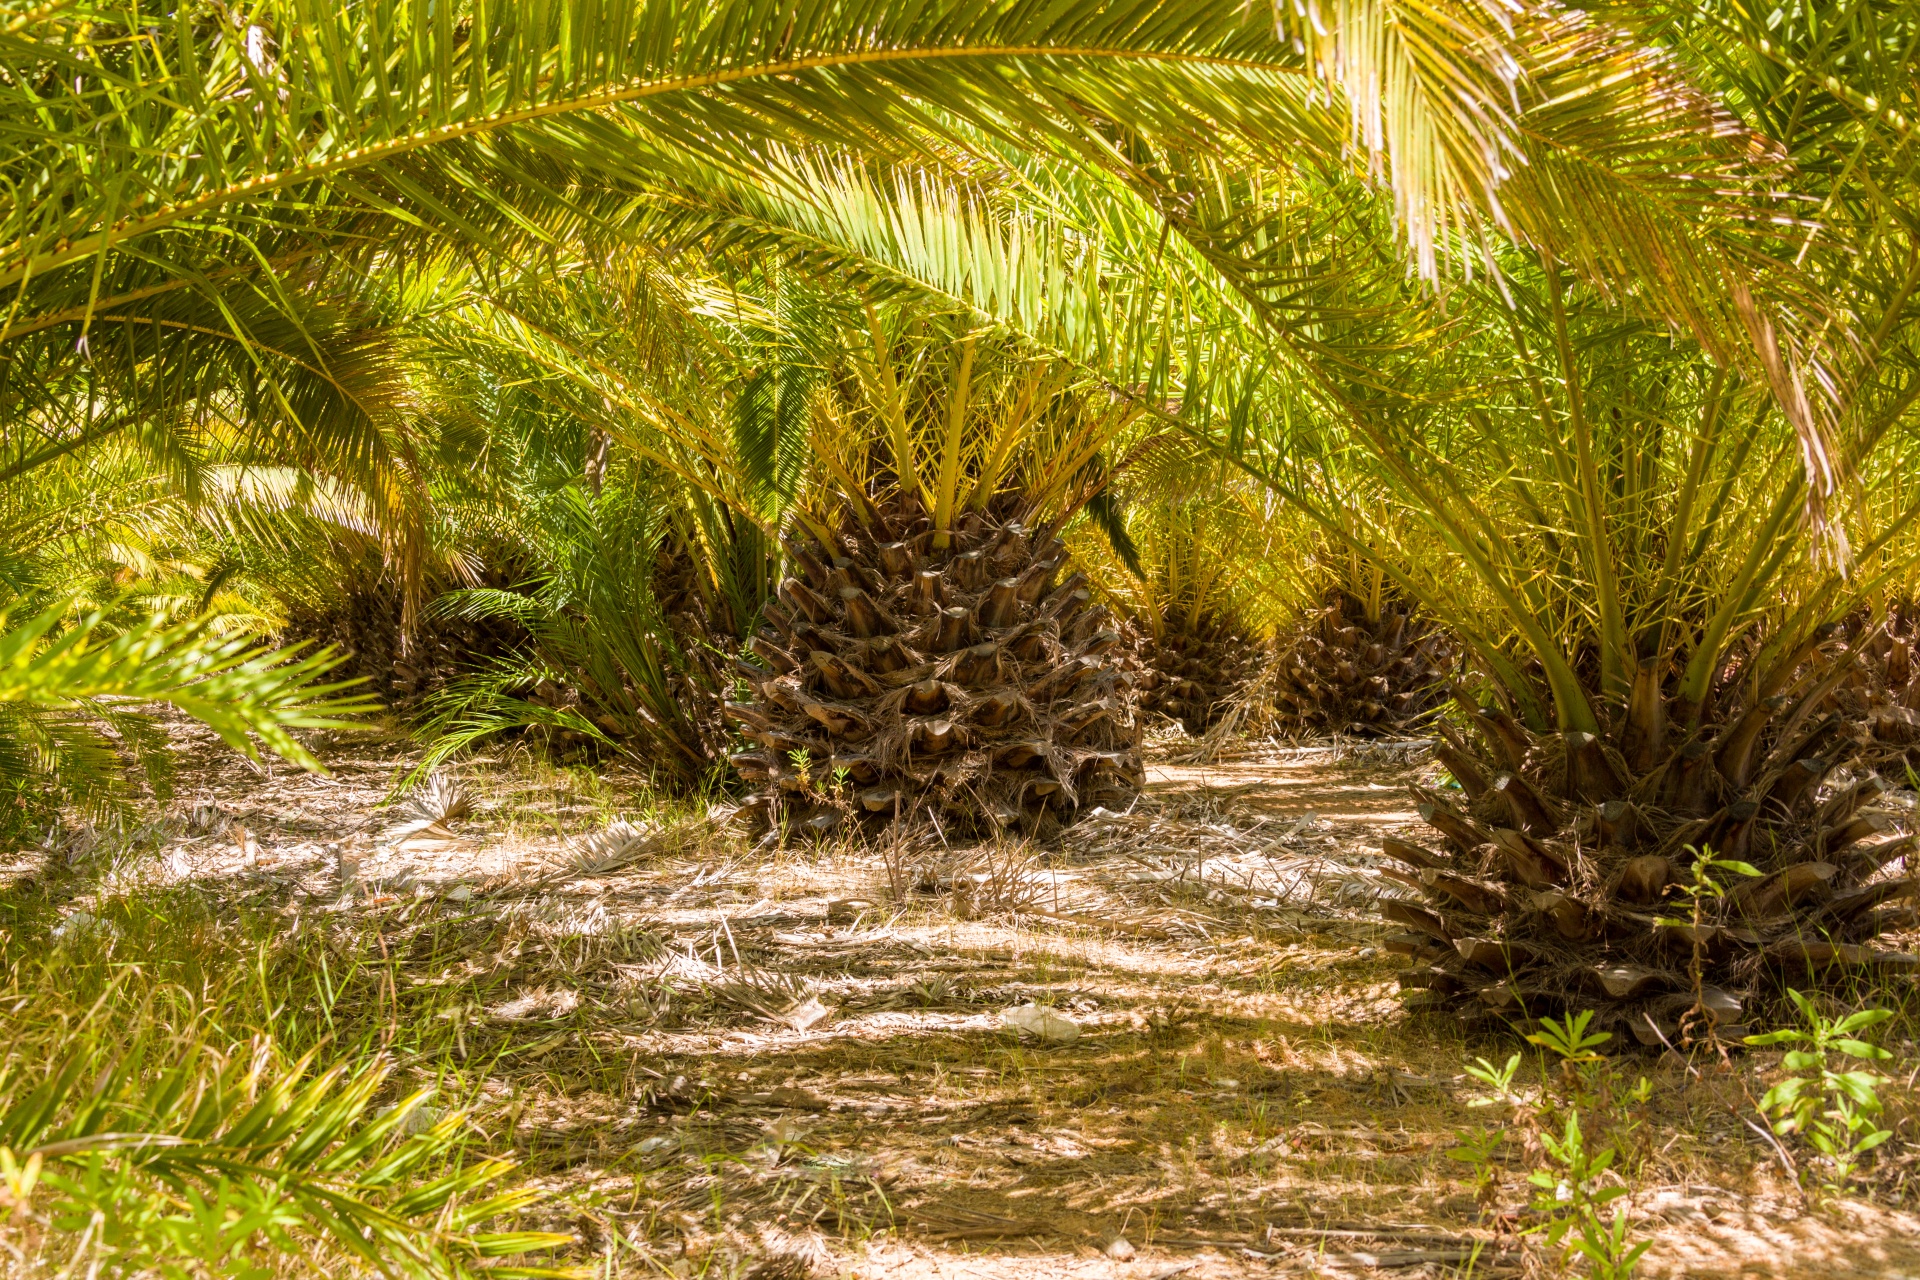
[{"x": 736, "y": 1061}]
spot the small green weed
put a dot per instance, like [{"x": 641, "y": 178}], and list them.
[
  {"x": 1580, "y": 1179},
  {"x": 1589, "y": 1081},
  {"x": 1574, "y": 1199},
  {"x": 1699, "y": 889},
  {"x": 1833, "y": 1110},
  {"x": 1476, "y": 1148},
  {"x": 1498, "y": 1079}
]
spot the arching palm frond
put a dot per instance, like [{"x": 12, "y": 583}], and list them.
[
  {"x": 1835, "y": 89},
  {"x": 75, "y": 699},
  {"x": 189, "y": 383},
  {"x": 134, "y": 1131},
  {"x": 511, "y": 126}
]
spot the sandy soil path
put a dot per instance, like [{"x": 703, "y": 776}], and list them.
[{"x": 798, "y": 1061}]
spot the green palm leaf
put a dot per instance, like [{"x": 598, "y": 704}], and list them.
[{"x": 75, "y": 700}]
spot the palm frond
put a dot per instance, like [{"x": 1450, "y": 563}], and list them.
[
  {"x": 150, "y": 1145},
  {"x": 74, "y": 701}
]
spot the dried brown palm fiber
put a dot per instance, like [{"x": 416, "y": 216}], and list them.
[
  {"x": 365, "y": 619},
  {"x": 1341, "y": 672},
  {"x": 1193, "y": 673},
  {"x": 976, "y": 687},
  {"x": 1550, "y": 883},
  {"x": 1882, "y": 686}
]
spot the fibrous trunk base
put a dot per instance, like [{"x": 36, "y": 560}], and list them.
[
  {"x": 1193, "y": 674},
  {"x": 975, "y": 687},
  {"x": 1345, "y": 672},
  {"x": 1559, "y": 876}
]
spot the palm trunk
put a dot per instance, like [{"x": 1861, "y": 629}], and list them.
[
  {"x": 972, "y": 685},
  {"x": 1346, "y": 672}
]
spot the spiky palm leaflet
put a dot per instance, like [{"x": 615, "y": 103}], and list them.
[
  {"x": 322, "y": 157},
  {"x": 76, "y": 706}
]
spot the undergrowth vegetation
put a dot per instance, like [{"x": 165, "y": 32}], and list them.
[
  {"x": 402, "y": 1072},
  {"x": 187, "y": 1092}
]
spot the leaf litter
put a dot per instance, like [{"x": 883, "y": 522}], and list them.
[{"x": 856, "y": 1061}]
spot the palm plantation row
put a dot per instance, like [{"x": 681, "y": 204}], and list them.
[{"x": 880, "y": 414}]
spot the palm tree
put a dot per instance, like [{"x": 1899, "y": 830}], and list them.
[
  {"x": 932, "y": 658},
  {"x": 605, "y": 662},
  {"x": 1364, "y": 661},
  {"x": 115, "y": 595},
  {"x": 642, "y": 426},
  {"x": 1184, "y": 570},
  {"x": 1625, "y": 559}
]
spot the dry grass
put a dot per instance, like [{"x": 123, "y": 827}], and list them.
[{"x": 792, "y": 1062}]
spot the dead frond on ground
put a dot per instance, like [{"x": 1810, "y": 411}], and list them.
[
  {"x": 998, "y": 879},
  {"x": 726, "y": 1062}
]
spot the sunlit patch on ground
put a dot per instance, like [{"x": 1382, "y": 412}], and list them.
[{"x": 730, "y": 1061}]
